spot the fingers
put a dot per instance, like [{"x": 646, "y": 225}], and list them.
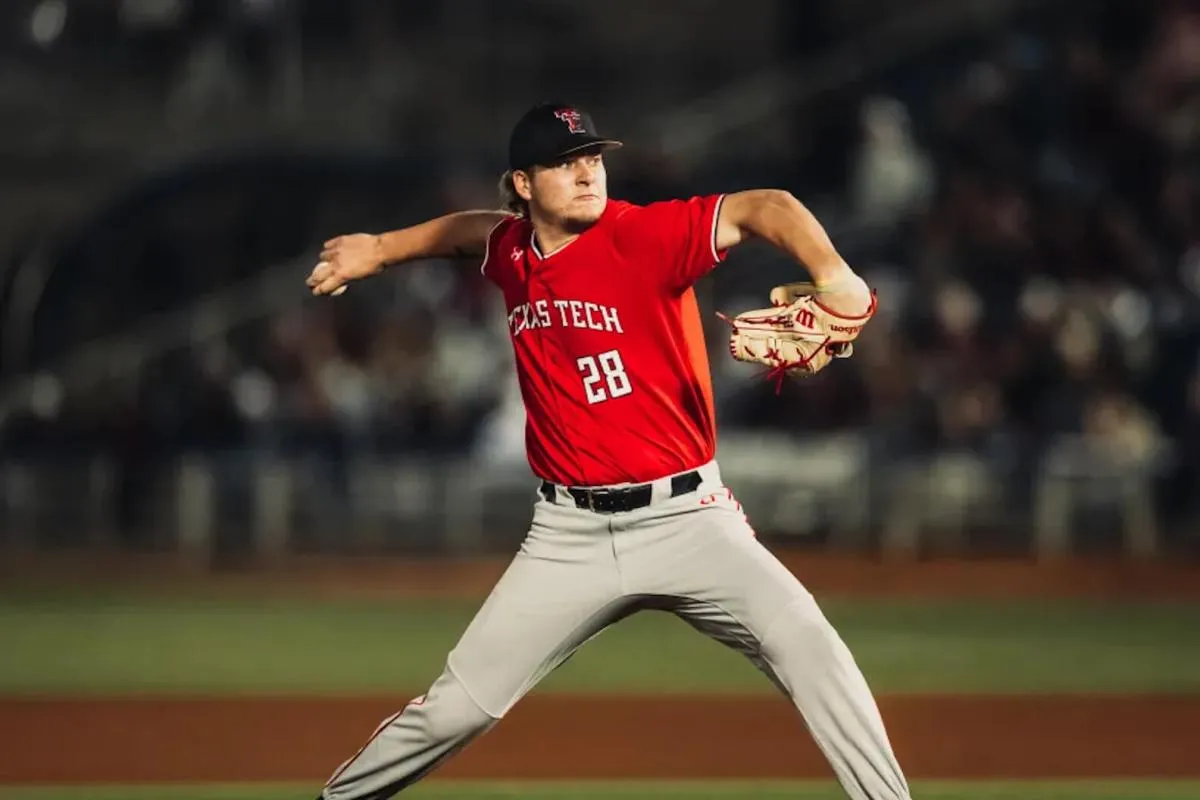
[
  {"x": 330, "y": 286},
  {"x": 329, "y": 254},
  {"x": 324, "y": 280},
  {"x": 320, "y": 272}
]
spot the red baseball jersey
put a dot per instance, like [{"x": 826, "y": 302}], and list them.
[{"x": 610, "y": 352}]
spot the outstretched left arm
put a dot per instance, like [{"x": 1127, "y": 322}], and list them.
[{"x": 776, "y": 216}]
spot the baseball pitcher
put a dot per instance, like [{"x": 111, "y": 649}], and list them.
[{"x": 630, "y": 512}]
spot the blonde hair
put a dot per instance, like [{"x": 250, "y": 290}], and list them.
[{"x": 509, "y": 199}]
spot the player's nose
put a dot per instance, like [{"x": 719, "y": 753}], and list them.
[{"x": 585, "y": 174}]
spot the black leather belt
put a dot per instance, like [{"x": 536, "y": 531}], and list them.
[{"x": 626, "y": 498}]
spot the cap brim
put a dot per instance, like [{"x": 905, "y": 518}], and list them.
[{"x": 592, "y": 144}]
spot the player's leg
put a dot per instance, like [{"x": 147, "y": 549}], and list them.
[
  {"x": 702, "y": 555},
  {"x": 560, "y": 590}
]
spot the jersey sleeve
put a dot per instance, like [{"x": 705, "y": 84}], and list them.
[
  {"x": 493, "y": 266},
  {"x": 675, "y": 240}
]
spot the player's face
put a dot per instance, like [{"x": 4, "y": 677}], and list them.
[{"x": 572, "y": 192}]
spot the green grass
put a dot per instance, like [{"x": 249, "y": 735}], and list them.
[
  {"x": 1047, "y": 790},
  {"x": 110, "y": 644}
]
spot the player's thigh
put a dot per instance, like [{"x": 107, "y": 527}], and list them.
[
  {"x": 560, "y": 590},
  {"x": 709, "y": 556},
  {"x": 729, "y": 586}
]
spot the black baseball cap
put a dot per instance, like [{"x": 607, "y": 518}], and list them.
[{"x": 549, "y": 131}]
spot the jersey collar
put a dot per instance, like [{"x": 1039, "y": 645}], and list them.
[{"x": 540, "y": 256}]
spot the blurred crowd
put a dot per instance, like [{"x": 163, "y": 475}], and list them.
[
  {"x": 1051, "y": 274},
  {"x": 1027, "y": 206},
  {"x": 1031, "y": 207},
  {"x": 1034, "y": 212}
]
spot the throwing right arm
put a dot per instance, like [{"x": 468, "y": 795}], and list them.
[{"x": 360, "y": 255}]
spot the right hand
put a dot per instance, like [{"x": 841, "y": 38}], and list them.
[{"x": 344, "y": 259}]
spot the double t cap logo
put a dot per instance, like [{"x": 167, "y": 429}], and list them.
[{"x": 572, "y": 118}]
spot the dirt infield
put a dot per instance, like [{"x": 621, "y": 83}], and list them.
[{"x": 559, "y": 736}]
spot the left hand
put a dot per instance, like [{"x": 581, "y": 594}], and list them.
[{"x": 798, "y": 336}]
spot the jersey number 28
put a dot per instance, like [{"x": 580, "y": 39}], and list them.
[{"x": 604, "y": 376}]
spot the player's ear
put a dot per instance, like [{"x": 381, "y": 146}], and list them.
[{"x": 522, "y": 183}]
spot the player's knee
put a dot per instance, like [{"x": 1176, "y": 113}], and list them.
[
  {"x": 801, "y": 627},
  {"x": 453, "y": 714}
]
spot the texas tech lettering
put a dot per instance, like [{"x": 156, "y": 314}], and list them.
[{"x": 565, "y": 314}]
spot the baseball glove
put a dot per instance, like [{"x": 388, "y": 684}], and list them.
[{"x": 798, "y": 336}]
